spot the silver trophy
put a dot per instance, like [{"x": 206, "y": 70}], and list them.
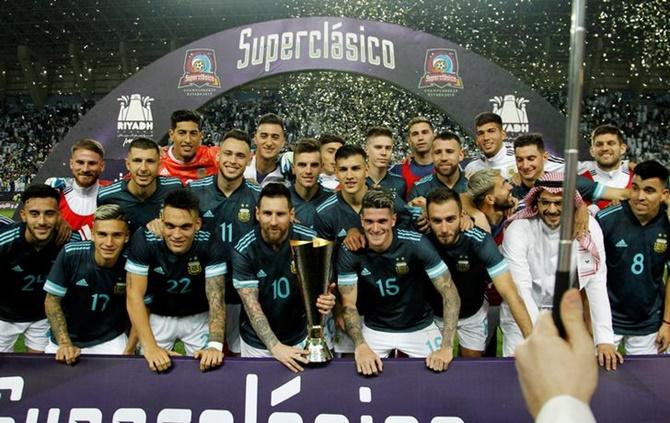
[{"x": 313, "y": 265}]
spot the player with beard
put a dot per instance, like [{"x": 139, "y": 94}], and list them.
[
  {"x": 420, "y": 135},
  {"x": 141, "y": 197},
  {"x": 175, "y": 286},
  {"x": 186, "y": 158},
  {"x": 268, "y": 165},
  {"x": 379, "y": 148},
  {"x": 227, "y": 202},
  {"x": 306, "y": 192},
  {"x": 492, "y": 195},
  {"x": 329, "y": 146},
  {"x": 85, "y": 300},
  {"x": 273, "y": 324},
  {"x": 27, "y": 251}
]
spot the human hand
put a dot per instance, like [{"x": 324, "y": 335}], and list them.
[
  {"x": 663, "y": 337},
  {"x": 326, "y": 302},
  {"x": 210, "y": 358},
  {"x": 367, "y": 362},
  {"x": 439, "y": 360},
  {"x": 549, "y": 366},
  {"x": 68, "y": 354},
  {"x": 290, "y": 356},
  {"x": 156, "y": 227},
  {"x": 63, "y": 231},
  {"x": 158, "y": 358},
  {"x": 355, "y": 240},
  {"x": 608, "y": 356}
]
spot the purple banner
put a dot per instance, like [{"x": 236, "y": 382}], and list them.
[{"x": 119, "y": 389}]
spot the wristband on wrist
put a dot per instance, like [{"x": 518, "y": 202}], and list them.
[
  {"x": 666, "y": 322},
  {"x": 216, "y": 345}
]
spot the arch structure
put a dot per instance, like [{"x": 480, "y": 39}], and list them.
[{"x": 457, "y": 81}]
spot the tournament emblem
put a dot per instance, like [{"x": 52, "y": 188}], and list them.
[
  {"x": 401, "y": 267},
  {"x": 244, "y": 215},
  {"x": 512, "y": 112},
  {"x": 200, "y": 69},
  {"x": 119, "y": 287},
  {"x": 194, "y": 267},
  {"x": 441, "y": 69},
  {"x": 135, "y": 117},
  {"x": 463, "y": 264},
  {"x": 661, "y": 243}
]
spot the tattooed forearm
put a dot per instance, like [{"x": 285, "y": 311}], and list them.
[
  {"x": 214, "y": 288},
  {"x": 451, "y": 304},
  {"x": 56, "y": 318},
  {"x": 352, "y": 320},
  {"x": 257, "y": 318}
]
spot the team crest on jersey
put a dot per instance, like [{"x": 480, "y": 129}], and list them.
[
  {"x": 194, "y": 267},
  {"x": 244, "y": 215},
  {"x": 401, "y": 267},
  {"x": 463, "y": 264},
  {"x": 661, "y": 243},
  {"x": 120, "y": 287},
  {"x": 293, "y": 268}
]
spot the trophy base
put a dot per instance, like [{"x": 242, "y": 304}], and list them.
[{"x": 318, "y": 351}]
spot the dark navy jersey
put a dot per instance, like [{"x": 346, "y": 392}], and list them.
[
  {"x": 138, "y": 211},
  {"x": 93, "y": 297},
  {"x": 392, "y": 182},
  {"x": 393, "y": 283},
  {"x": 176, "y": 283},
  {"x": 24, "y": 271},
  {"x": 636, "y": 260},
  {"x": 258, "y": 265},
  {"x": 472, "y": 260},
  {"x": 334, "y": 217},
  {"x": 430, "y": 183},
  {"x": 587, "y": 188},
  {"x": 305, "y": 211}
]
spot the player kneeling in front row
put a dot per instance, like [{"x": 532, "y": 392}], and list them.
[
  {"x": 391, "y": 275},
  {"x": 274, "y": 322},
  {"x": 180, "y": 279},
  {"x": 85, "y": 300}
]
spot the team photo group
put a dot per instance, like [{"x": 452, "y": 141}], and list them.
[{"x": 434, "y": 255}]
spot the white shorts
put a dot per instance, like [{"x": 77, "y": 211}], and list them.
[
  {"x": 637, "y": 345},
  {"x": 36, "y": 334},
  {"x": 512, "y": 335},
  {"x": 253, "y": 352},
  {"x": 233, "y": 327},
  {"x": 192, "y": 330},
  {"x": 112, "y": 347},
  {"x": 418, "y": 344},
  {"x": 472, "y": 331}
]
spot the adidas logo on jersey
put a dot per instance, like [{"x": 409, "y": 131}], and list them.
[
  {"x": 621, "y": 244},
  {"x": 17, "y": 268},
  {"x": 365, "y": 272},
  {"x": 82, "y": 282},
  {"x": 208, "y": 213},
  {"x": 261, "y": 274},
  {"x": 159, "y": 270},
  {"x": 342, "y": 233}
]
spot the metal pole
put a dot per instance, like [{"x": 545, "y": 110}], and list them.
[{"x": 564, "y": 274}]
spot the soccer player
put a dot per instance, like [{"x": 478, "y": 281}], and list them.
[
  {"x": 268, "y": 165},
  {"x": 531, "y": 249},
  {"x": 474, "y": 261},
  {"x": 306, "y": 192},
  {"x": 392, "y": 274},
  {"x": 141, "y": 197},
  {"x": 490, "y": 139},
  {"x": 78, "y": 195},
  {"x": 329, "y": 146},
  {"x": 607, "y": 149},
  {"x": 27, "y": 250},
  {"x": 85, "y": 300},
  {"x": 636, "y": 242},
  {"x": 186, "y": 158},
  {"x": 379, "y": 148},
  {"x": 273, "y": 324},
  {"x": 180, "y": 278},
  {"x": 446, "y": 154},
  {"x": 227, "y": 202},
  {"x": 420, "y": 164},
  {"x": 492, "y": 195}
]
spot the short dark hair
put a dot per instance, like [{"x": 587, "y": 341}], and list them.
[
  {"x": 40, "y": 191},
  {"x": 442, "y": 195},
  {"x": 144, "y": 144},
  {"x": 448, "y": 135},
  {"x": 185, "y": 116},
  {"x": 270, "y": 118},
  {"x": 652, "y": 169},
  {"x": 488, "y": 117},
  {"x": 306, "y": 145},
  {"x": 378, "y": 198},
  {"x": 237, "y": 134},
  {"x": 275, "y": 190},
  {"x": 608, "y": 129},
  {"x": 331, "y": 138},
  {"x": 379, "y": 131},
  {"x": 182, "y": 199},
  {"x": 419, "y": 119},
  {"x": 88, "y": 144},
  {"x": 525, "y": 140},
  {"x": 350, "y": 150}
]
